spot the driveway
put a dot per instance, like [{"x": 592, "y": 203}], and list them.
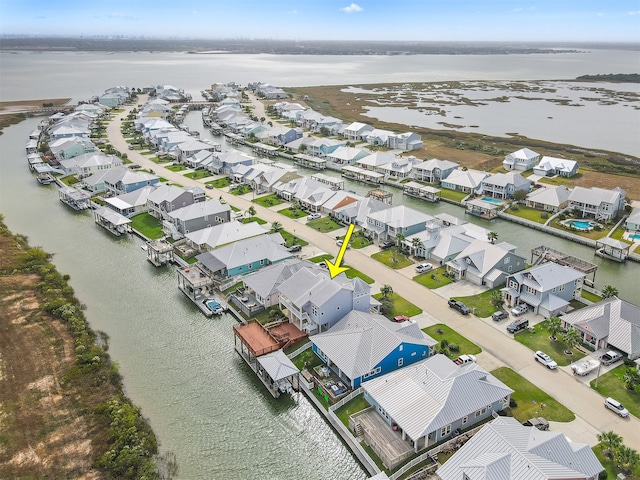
[{"x": 498, "y": 347}]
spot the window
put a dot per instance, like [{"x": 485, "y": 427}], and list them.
[
  {"x": 400, "y": 361},
  {"x": 507, "y": 260},
  {"x": 314, "y": 310},
  {"x": 465, "y": 419},
  {"x": 482, "y": 411},
  {"x": 444, "y": 431},
  {"x": 400, "y": 348},
  {"x": 561, "y": 288},
  {"x": 510, "y": 268},
  {"x": 531, "y": 290}
]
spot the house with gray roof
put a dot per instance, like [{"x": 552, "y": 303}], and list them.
[
  {"x": 612, "y": 322},
  {"x": 186, "y": 149},
  {"x": 315, "y": 301},
  {"x": 524, "y": 159},
  {"x": 210, "y": 238},
  {"x": 547, "y": 288},
  {"x": 386, "y": 224},
  {"x": 223, "y": 163},
  {"x": 551, "y": 166},
  {"x": 632, "y": 222},
  {"x": 431, "y": 399},
  {"x": 483, "y": 263},
  {"x": 505, "y": 450},
  {"x": 406, "y": 141},
  {"x": 87, "y": 164},
  {"x": 195, "y": 216},
  {"x": 363, "y": 345},
  {"x": 466, "y": 181},
  {"x": 433, "y": 170},
  {"x": 130, "y": 203},
  {"x": 400, "y": 167},
  {"x": 549, "y": 199},
  {"x": 357, "y": 212},
  {"x": 119, "y": 181},
  {"x": 167, "y": 198},
  {"x": 504, "y": 185},
  {"x": 600, "y": 203},
  {"x": 71, "y": 147},
  {"x": 243, "y": 256}
]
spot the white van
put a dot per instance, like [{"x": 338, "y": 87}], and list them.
[{"x": 616, "y": 407}]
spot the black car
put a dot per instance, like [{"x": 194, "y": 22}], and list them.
[
  {"x": 294, "y": 248},
  {"x": 518, "y": 325},
  {"x": 387, "y": 244},
  {"x": 499, "y": 315},
  {"x": 461, "y": 307}
]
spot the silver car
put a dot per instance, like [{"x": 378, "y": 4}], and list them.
[{"x": 546, "y": 360}]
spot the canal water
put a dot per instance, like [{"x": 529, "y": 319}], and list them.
[{"x": 202, "y": 401}]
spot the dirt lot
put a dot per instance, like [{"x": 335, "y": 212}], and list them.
[
  {"x": 45, "y": 431},
  {"x": 15, "y": 111}
]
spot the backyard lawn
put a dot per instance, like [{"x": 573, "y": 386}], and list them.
[
  {"x": 268, "y": 200},
  {"x": 452, "y": 195},
  {"x": 434, "y": 278},
  {"x": 288, "y": 212},
  {"x": 617, "y": 234},
  {"x": 353, "y": 406},
  {"x": 324, "y": 224},
  {"x": 530, "y": 400},
  {"x": 592, "y": 297},
  {"x": 593, "y": 234},
  {"x": 610, "y": 465},
  {"x": 539, "y": 340},
  {"x": 307, "y": 358},
  {"x": 392, "y": 258},
  {"x": 69, "y": 180},
  {"x": 481, "y": 303},
  {"x": 400, "y": 306},
  {"x": 610, "y": 384},
  {"x": 147, "y": 225},
  {"x": 441, "y": 332},
  {"x": 529, "y": 213}
]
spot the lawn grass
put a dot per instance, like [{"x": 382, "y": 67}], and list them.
[
  {"x": 198, "y": 174},
  {"x": 288, "y": 212},
  {"x": 481, "y": 303},
  {"x": 308, "y": 359},
  {"x": 592, "y": 297},
  {"x": 358, "y": 240},
  {"x": 240, "y": 189},
  {"x": 219, "y": 182},
  {"x": 433, "y": 279},
  {"x": 162, "y": 159},
  {"x": 392, "y": 258},
  {"x": 324, "y": 224},
  {"x": 352, "y": 273},
  {"x": 610, "y": 465},
  {"x": 560, "y": 180},
  {"x": 400, "y": 306},
  {"x": 268, "y": 200},
  {"x": 176, "y": 167},
  {"x": 147, "y": 225},
  {"x": 539, "y": 340},
  {"x": 258, "y": 220},
  {"x": 454, "y": 195},
  {"x": 610, "y": 384},
  {"x": 354, "y": 405},
  {"x": 617, "y": 234},
  {"x": 593, "y": 234},
  {"x": 233, "y": 288},
  {"x": 321, "y": 258},
  {"x": 529, "y": 213},
  {"x": 291, "y": 239},
  {"x": 529, "y": 398},
  {"x": 467, "y": 347},
  {"x": 69, "y": 180}
]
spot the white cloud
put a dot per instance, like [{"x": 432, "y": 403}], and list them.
[
  {"x": 635, "y": 13},
  {"x": 353, "y": 8},
  {"x": 600, "y": 14},
  {"x": 293, "y": 12}
]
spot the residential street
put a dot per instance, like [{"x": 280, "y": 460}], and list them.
[{"x": 498, "y": 348}]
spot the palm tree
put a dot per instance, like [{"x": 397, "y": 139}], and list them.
[
  {"x": 276, "y": 227},
  {"x": 399, "y": 239},
  {"x": 416, "y": 243},
  {"x": 630, "y": 378},
  {"x": 626, "y": 458},
  {"x": 492, "y": 236},
  {"x": 572, "y": 338},
  {"x": 610, "y": 441},
  {"x": 496, "y": 299},
  {"x": 609, "y": 291},
  {"x": 386, "y": 290},
  {"x": 554, "y": 326}
]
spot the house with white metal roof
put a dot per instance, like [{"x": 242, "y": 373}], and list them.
[
  {"x": 601, "y": 203},
  {"x": 340, "y": 199},
  {"x": 167, "y": 198},
  {"x": 130, "y": 203},
  {"x": 400, "y": 167},
  {"x": 87, "y": 164},
  {"x": 315, "y": 301},
  {"x": 466, "y": 181},
  {"x": 524, "y": 159},
  {"x": 433, "y": 170},
  {"x": 71, "y": 147},
  {"x": 358, "y": 212},
  {"x": 196, "y": 216},
  {"x": 506, "y": 450},
  {"x": 224, "y": 163},
  {"x": 632, "y": 222},
  {"x": 406, "y": 141},
  {"x": 483, "y": 263},
  {"x": 362, "y": 346},
  {"x": 504, "y": 185},
  {"x": 612, "y": 322},
  {"x": 210, "y": 238},
  {"x": 356, "y": 131},
  {"x": 547, "y": 288},
  {"x": 431, "y": 399},
  {"x": 388, "y": 223},
  {"x": 342, "y": 156},
  {"x": 375, "y": 160},
  {"x": 549, "y": 199},
  {"x": 550, "y": 166},
  {"x": 120, "y": 181},
  {"x": 452, "y": 240}
]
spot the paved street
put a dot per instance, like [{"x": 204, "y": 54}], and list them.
[{"x": 498, "y": 348}]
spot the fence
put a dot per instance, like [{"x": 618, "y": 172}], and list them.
[{"x": 300, "y": 350}]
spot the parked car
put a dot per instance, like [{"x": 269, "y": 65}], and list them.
[
  {"x": 401, "y": 318},
  {"x": 461, "y": 307},
  {"x": 520, "y": 309},
  {"x": 423, "y": 267},
  {"x": 294, "y": 248},
  {"x": 209, "y": 186},
  {"x": 616, "y": 406},
  {"x": 340, "y": 242},
  {"x": 539, "y": 422},
  {"x": 464, "y": 359},
  {"x": 313, "y": 216},
  {"x": 499, "y": 315},
  {"x": 546, "y": 360},
  {"x": 387, "y": 244},
  {"x": 518, "y": 325},
  {"x": 610, "y": 357}
]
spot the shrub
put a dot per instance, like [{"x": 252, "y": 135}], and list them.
[
  {"x": 544, "y": 215},
  {"x": 512, "y": 403},
  {"x": 515, "y": 207},
  {"x": 454, "y": 347}
]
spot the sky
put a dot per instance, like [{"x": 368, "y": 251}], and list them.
[{"x": 402, "y": 20}]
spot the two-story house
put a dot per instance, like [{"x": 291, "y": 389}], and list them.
[
  {"x": 196, "y": 216},
  {"x": 550, "y": 166},
  {"x": 124, "y": 181},
  {"x": 434, "y": 170},
  {"x": 346, "y": 155},
  {"x": 167, "y": 198},
  {"x": 504, "y": 185},
  {"x": 467, "y": 181},
  {"x": 87, "y": 164},
  {"x": 315, "y": 301},
  {"x": 600, "y": 203},
  {"x": 487, "y": 264},
  {"x": 547, "y": 288},
  {"x": 362, "y": 346},
  {"x": 388, "y": 223},
  {"x": 524, "y": 159}
]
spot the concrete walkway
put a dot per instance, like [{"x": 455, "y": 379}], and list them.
[{"x": 498, "y": 348}]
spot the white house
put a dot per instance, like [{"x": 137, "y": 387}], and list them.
[
  {"x": 466, "y": 181},
  {"x": 504, "y": 185},
  {"x": 632, "y": 222},
  {"x": 549, "y": 199},
  {"x": 434, "y": 170},
  {"x": 550, "y": 166},
  {"x": 524, "y": 159},
  {"x": 600, "y": 203}
]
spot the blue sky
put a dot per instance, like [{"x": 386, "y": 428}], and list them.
[{"x": 419, "y": 20}]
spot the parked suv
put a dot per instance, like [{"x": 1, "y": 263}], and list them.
[
  {"x": 294, "y": 248},
  {"x": 518, "y": 325},
  {"x": 616, "y": 407},
  {"x": 313, "y": 216},
  {"x": 499, "y": 315},
  {"x": 520, "y": 309},
  {"x": 461, "y": 307},
  {"x": 423, "y": 267}
]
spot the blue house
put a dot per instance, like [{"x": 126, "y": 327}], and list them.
[
  {"x": 387, "y": 224},
  {"x": 364, "y": 345},
  {"x": 121, "y": 181}
]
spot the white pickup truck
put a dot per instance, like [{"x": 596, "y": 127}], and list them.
[
  {"x": 464, "y": 359},
  {"x": 610, "y": 357},
  {"x": 586, "y": 367}
]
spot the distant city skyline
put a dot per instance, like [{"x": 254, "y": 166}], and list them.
[{"x": 397, "y": 20}]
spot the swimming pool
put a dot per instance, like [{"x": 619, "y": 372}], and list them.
[
  {"x": 581, "y": 224},
  {"x": 635, "y": 236},
  {"x": 495, "y": 201}
]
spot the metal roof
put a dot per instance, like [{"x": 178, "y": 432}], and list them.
[{"x": 277, "y": 365}]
